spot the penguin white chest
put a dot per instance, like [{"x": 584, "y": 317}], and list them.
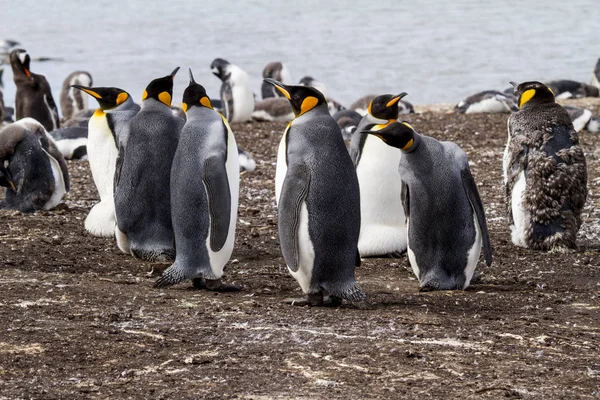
[
  {"x": 281, "y": 169},
  {"x": 306, "y": 252},
  {"x": 59, "y": 184},
  {"x": 518, "y": 210},
  {"x": 102, "y": 155}
]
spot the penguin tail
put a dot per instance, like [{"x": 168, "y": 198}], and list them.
[
  {"x": 154, "y": 255},
  {"x": 101, "y": 220},
  {"x": 172, "y": 276}
]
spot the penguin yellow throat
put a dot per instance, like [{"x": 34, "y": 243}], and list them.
[
  {"x": 98, "y": 113},
  {"x": 381, "y": 126}
]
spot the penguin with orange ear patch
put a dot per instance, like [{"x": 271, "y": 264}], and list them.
[{"x": 143, "y": 175}]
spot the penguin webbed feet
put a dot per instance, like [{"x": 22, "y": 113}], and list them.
[
  {"x": 215, "y": 285},
  {"x": 319, "y": 300}
]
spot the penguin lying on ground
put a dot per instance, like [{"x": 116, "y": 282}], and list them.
[
  {"x": 273, "y": 109},
  {"x": 444, "y": 214},
  {"x": 275, "y": 70},
  {"x": 104, "y": 130},
  {"x": 361, "y": 105},
  {"x": 237, "y": 99},
  {"x": 205, "y": 181},
  {"x": 488, "y": 101},
  {"x": 347, "y": 120},
  {"x": 318, "y": 227},
  {"x": 31, "y": 167},
  {"x": 71, "y": 142},
  {"x": 545, "y": 172},
  {"x": 34, "y": 97},
  {"x": 566, "y": 89},
  {"x": 147, "y": 145},
  {"x": 583, "y": 119},
  {"x": 72, "y": 101}
]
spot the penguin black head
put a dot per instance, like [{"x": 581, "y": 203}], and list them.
[
  {"x": 219, "y": 68},
  {"x": 302, "y": 98},
  {"x": 533, "y": 93},
  {"x": 19, "y": 60},
  {"x": 107, "y": 97},
  {"x": 397, "y": 134},
  {"x": 161, "y": 89},
  {"x": 195, "y": 95},
  {"x": 385, "y": 106}
]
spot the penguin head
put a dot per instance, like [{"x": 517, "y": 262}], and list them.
[
  {"x": 385, "y": 106},
  {"x": 161, "y": 89},
  {"x": 220, "y": 68},
  {"x": 107, "y": 97},
  {"x": 397, "y": 134},
  {"x": 530, "y": 93},
  {"x": 195, "y": 95},
  {"x": 19, "y": 60},
  {"x": 302, "y": 98}
]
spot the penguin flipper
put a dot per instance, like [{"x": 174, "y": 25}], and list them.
[
  {"x": 477, "y": 206},
  {"x": 216, "y": 183},
  {"x": 118, "y": 166},
  {"x": 293, "y": 195},
  {"x": 405, "y": 199}
]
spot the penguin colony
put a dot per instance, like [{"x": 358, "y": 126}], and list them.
[{"x": 349, "y": 183}]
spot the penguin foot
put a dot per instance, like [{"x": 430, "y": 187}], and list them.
[
  {"x": 363, "y": 305},
  {"x": 395, "y": 254},
  {"x": 215, "y": 285},
  {"x": 476, "y": 278},
  {"x": 312, "y": 299}
]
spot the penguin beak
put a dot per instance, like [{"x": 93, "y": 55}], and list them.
[
  {"x": 191, "y": 77},
  {"x": 174, "y": 73},
  {"x": 87, "y": 90},
  {"x": 396, "y": 99},
  {"x": 279, "y": 86}
]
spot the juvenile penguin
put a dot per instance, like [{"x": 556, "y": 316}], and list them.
[
  {"x": 71, "y": 142},
  {"x": 488, "y": 101},
  {"x": 545, "y": 172},
  {"x": 205, "y": 179},
  {"x": 347, "y": 120},
  {"x": 236, "y": 91},
  {"x": 596, "y": 76},
  {"x": 105, "y": 128},
  {"x": 383, "y": 227},
  {"x": 143, "y": 175},
  {"x": 444, "y": 214},
  {"x": 72, "y": 101},
  {"x": 33, "y": 98},
  {"x": 31, "y": 167},
  {"x": 273, "y": 109},
  {"x": 318, "y": 202},
  {"x": 274, "y": 70}
]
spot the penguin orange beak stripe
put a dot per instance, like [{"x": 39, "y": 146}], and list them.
[
  {"x": 279, "y": 87},
  {"x": 393, "y": 101},
  {"x": 283, "y": 91},
  {"x": 91, "y": 93},
  {"x": 27, "y": 72}
]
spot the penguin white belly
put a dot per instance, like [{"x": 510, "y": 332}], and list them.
[
  {"x": 59, "y": 184},
  {"x": 473, "y": 253},
  {"x": 243, "y": 103},
  {"x": 564, "y": 95},
  {"x": 487, "y": 106},
  {"x": 307, "y": 253},
  {"x": 411, "y": 254},
  {"x": 219, "y": 259},
  {"x": 281, "y": 169},
  {"x": 580, "y": 122},
  {"x": 505, "y": 161},
  {"x": 383, "y": 230},
  {"x": 102, "y": 155},
  {"x": 520, "y": 216},
  {"x": 68, "y": 146}
]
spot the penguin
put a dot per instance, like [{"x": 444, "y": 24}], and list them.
[
  {"x": 6, "y": 46},
  {"x": 596, "y": 76},
  {"x": 205, "y": 180},
  {"x": 488, "y": 101},
  {"x": 273, "y": 109},
  {"x": 81, "y": 119},
  {"x": 318, "y": 228},
  {"x": 236, "y": 91},
  {"x": 73, "y": 101},
  {"x": 567, "y": 89},
  {"x": 444, "y": 213},
  {"x": 545, "y": 173},
  {"x": 105, "y": 128},
  {"x": 71, "y": 142},
  {"x": 383, "y": 228},
  {"x": 361, "y": 105},
  {"x": 275, "y": 70},
  {"x": 332, "y": 105},
  {"x": 583, "y": 119},
  {"x": 3, "y": 113},
  {"x": 34, "y": 97},
  {"x": 31, "y": 167},
  {"x": 143, "y": 174},
  {"x": 347, "y": 120}
]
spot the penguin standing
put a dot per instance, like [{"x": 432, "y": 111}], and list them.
[
  {"x": 545, "y": 172},
  {"x": 143, "y": 174},
  {"x": 104, "y": 130},
  {"x": 31, "y": 167},
  {"x": 383, "y": 227},
  {"x": 444, "y": 214},
  {"x": 318, "y": 202},
  {"x": 72, "y": 101},
  {"x": 274, "y": 70},
  {"x": 33, "y": 98},
  {"x": 237, "y": 98},
  {"x": 205, "y": 181}
]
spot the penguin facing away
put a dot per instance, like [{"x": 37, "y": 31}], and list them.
[
  {"x": 545, "y": 173},
  {"x": 383, "y": 227},
  {"x": 444, "y": 214},
  {"x": 318, "y": 228},
  {"x": 237, "y": 97},
  {"x": 204, "y": 195},
  {"x": 147, "y": 145},
  {"x": 72, "y": 101},
  {"x": 34, "y": 97},
  {"x": 31, "y": 167},
  {"x": 274, "y": 70},
  {"x": 104, "y": 129}
]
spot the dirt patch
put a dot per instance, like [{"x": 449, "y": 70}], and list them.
[{"x": 81, "y": 320}]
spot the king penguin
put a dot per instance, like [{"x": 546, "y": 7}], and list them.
[
  {"x": 33, "y": 98},
  {"x": 104, "y": 129},
  {"x": 205, "y": 179},
  {"x": 545, "y": 173},
  {"x": 318, "y": 202},
  {"x": 383, "y": 228},
  {"x": 143, "y": 175},
  {"x": 237, "y": 98},
  {"x": 31, "y": 167},
  {"x": 73, "y": 101},
  {"x": 444, "y": 213}
]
